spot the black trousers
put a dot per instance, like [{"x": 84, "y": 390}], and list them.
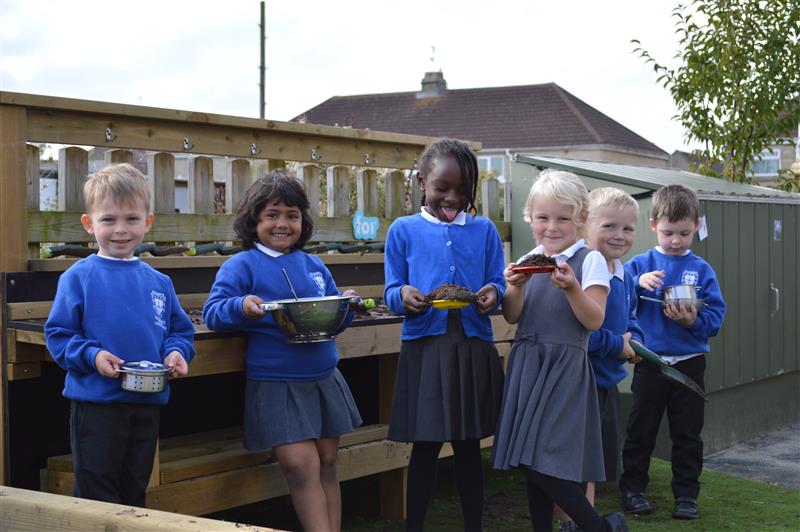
[
  {"x": 113, "y": 447},
  {"x": 652, "y": 394},
  {"x": 608, "y": 399}
]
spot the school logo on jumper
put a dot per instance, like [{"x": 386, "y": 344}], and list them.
[
  {"x": 688, "y": 277},
  {"x": 159, "y": 304},
  {"x": 320, "y": 280}
]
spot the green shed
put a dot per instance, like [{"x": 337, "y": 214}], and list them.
[{"x": 753, "y": 244}]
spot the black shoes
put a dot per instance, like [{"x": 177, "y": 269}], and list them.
[
  {"x": 617, "y": 522},
  {"x": 633, "y": 502},
  {"x": 685, "y": 508}
]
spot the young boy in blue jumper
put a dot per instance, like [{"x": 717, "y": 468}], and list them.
[
  {"x": 610, "y": 229},
  {"x": 111, "y": 308},
  {"x": 680, "y": 334}
]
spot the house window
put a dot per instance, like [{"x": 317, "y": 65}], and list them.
[
  {"x": 493, "y": 165},
  {"x": 768, "y": 165}
]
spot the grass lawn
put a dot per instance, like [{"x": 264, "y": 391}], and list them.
[{"x": 726, "y": 503}]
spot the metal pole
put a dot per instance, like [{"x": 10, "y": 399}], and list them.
[{"x": 262, "y": 68}]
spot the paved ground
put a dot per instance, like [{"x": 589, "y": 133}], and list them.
[{"x": 773, "y": 457}]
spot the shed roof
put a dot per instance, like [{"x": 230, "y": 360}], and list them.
[{"x": 655, "y": 178}]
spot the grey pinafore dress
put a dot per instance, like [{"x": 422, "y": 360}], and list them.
[{"x": 549, "y": 420}]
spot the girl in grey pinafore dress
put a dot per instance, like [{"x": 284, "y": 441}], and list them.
[{"x": 549, "y": 421}]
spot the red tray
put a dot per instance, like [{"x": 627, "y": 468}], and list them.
[{"x": 533, "y": 269}]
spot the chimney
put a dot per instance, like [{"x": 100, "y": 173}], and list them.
[{"x": 433, "y": 85}]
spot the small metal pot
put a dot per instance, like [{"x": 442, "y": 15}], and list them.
[
  {"x": 680, "y": 293},
  {"x": 144, "y": 376},
  {"x": 310, "y": 319}
]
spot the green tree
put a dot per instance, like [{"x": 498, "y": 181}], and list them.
[{"x": 737, "y": 83}]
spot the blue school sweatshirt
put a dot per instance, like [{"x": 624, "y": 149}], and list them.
[
  {"x": 606, "y": 343},
  {"x": 425, "y": 253},
  {"x": 665, "y": 336},
  {"x": 255, "y": 272},
  {"x": 122, "y": 306}
]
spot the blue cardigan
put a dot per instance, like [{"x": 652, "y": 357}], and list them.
[{"x": 426, "y": 255}]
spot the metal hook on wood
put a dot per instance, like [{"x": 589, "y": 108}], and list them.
[
  {"x": 253, "y": 149},
  {"x": 314, "y": 154},
  {"x": 110, "y": 136},
  {"x": 366, "y": 158},
  {"x": 186, "y": 146}
]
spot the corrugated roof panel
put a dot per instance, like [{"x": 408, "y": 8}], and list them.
[{"x": 654, "y": 178}]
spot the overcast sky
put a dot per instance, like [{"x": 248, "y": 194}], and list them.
[{"x": 203, "y": 55}]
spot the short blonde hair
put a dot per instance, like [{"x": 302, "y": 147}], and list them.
[
  {"x": 613, "y": 198},
  {"x": 565, "y": 188},
  {"x": 122, "y": 182}
]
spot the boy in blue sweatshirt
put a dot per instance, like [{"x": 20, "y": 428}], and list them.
[
  {"x": 111, "y": 308},
  {"x": 680, "y": 335}
]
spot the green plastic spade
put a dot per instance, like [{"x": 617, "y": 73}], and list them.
[{"x": 668, "y": 371}]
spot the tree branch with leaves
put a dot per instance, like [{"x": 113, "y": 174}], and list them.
[{"x": 737, "y": 80}]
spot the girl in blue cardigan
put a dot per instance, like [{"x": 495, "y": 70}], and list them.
[
  {"x": 296, "y": 401},
  {"x": 449, "y": 379}
]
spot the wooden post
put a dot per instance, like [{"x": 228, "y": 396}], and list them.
[
  {"x": 238, "y": 177},
  {"x": 33, "y": 191},
  {"x": 155, "y": 474},
  {"x": 73, "y": 167},
  {"x": 490, "y": 204},
  {"x": 161, "y": 180},
  {"x": 201, "y": 185},
  {"x": 367, "y": 191},
  {"x": 309, "y": 174},
  {"x": 392, "y": 483},
  {"x": 338, "y": 191},
  {"x": 118, "y": 156},
  {"x": 13, "y": 227},
  {"x": 395, "y": 194},
  {"x": 275, "y": 164},
  {"x": 416, "y": 193}
]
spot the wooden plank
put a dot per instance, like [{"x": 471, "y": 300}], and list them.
[
  {"x": 85, "y": 129},
  {"x": 338, "y": 186},
  {"x": 29, "y": 310},
  {"x": 19, "y": 352},
  {"x": 395, "y": 195},
  {"x": 238, "y": 178},
  {"x": 218, "y": 355},
  {"x": 26, "y": 510},
  {"x": 394, "y": 486},
  {"x": 155, "y": 473},
  {"x": 357, "y": 342},
  {"x": 365, "y": 290},
  {"x": 309, "y": 174},
  {"x": 161, "y": 180},
  {"x": 30, "y": 337},
  {"x": 201, "y": 187},
  {"x": 275, "y": 164},
  {"x": 25, "y": 370},
  {"x": 190, "y": 301},
  {"x": 367, "y": 192},
  {"x": 203, "y": 261},
  {"x": 118, "y": 156},
  {"x": 73, "y": 168},
  {"x": 490, "y": 202},
  {"x": 240, "y": 457},
  {"x": 33, "y": 177},
  {"x": 13, "y": 194},
  {"x": 36, "y": 101}
]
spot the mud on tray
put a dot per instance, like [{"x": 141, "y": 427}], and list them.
[
  {"x": 450, "y": 292},
  {"x": 536, "y": 259}
]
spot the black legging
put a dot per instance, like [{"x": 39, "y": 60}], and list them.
[
  {"x": 544, "y": 490},
  {"x": 422, "y": 480}
]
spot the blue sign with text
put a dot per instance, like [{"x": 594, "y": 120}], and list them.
[{"x": 365, "y": 227}]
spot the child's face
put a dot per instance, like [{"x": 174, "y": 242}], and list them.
[
  {"x": 117, "y": 226},
  {"x": 442, "y": 186},
  {"x": 279, "y": 226},
  {"x": 552, "y": 225},
  {"x": 611, "y": 231},
  {"x": 675, "y": 238}
]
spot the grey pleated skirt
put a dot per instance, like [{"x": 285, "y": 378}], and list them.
[
  {"x": 550, "y": 420},
  {"x": 280, "y": 412},
  {"x": 448, "y": 387}
]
